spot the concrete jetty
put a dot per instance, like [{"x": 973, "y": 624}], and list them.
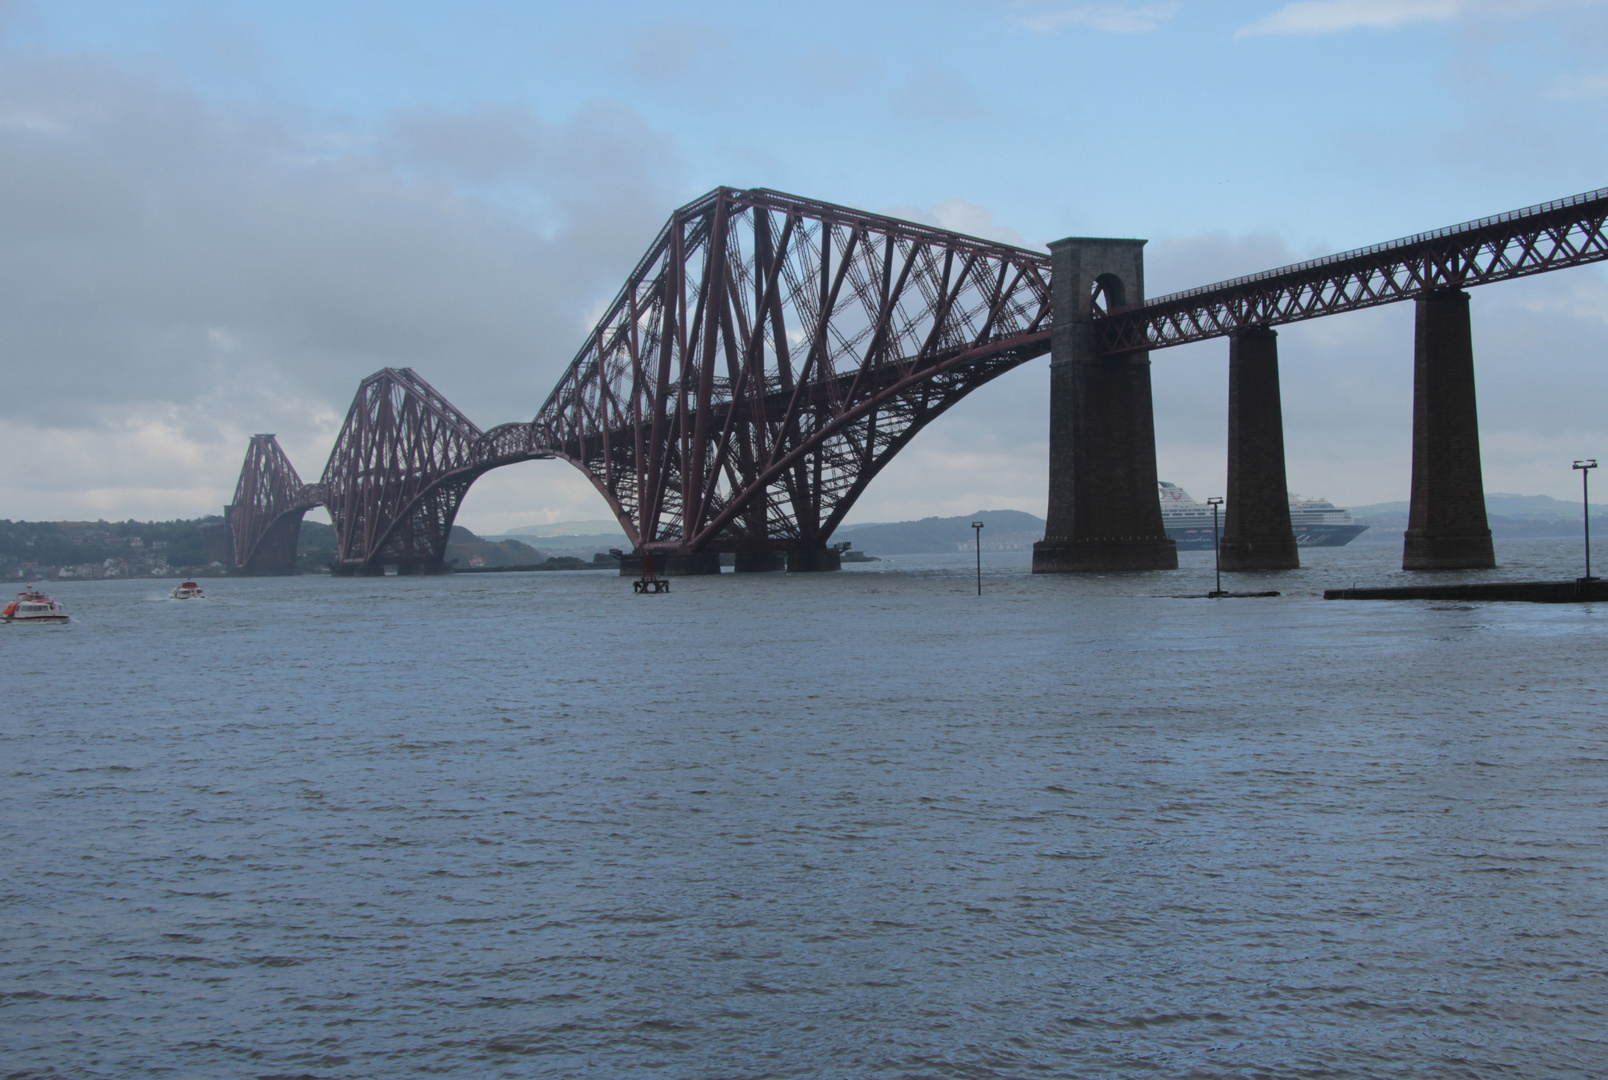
[{"x": 1533, "y": 592}]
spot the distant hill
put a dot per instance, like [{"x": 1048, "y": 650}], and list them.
[
  {"x": 1517, "y": 507},
  {"x": 581, "y": 539},
  {"x": 563, "y": 528},
  {"x": 1509, "y": 516},
  {"x": 1012, "y": 530},
  {"x": 91, "y": 549},
  {"x": 316, "y": 549},
  {"x": 1003, "y": 530},
  {"x": 467, "y": 549}
]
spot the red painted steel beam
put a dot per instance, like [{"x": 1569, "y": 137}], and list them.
[
  {"x": 769, "y": 353},
  {"x": 1550, "y": 236},
  {"x": 267, "y": 491},
  {"x": 401, "y": 465}
]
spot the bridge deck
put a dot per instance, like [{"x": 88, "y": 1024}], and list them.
[{"x": 1548, "y": 236}]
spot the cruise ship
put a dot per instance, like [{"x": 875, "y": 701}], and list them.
[{"x": 1316, "y": 522}]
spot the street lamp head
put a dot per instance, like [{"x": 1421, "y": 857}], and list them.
[
  {"x": 1589, "y": 463},
  {"x": 977, "y": 524},
  {"x": 1215, "y": 500}
]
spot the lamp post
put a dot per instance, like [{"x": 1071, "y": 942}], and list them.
[
  {"x": 977, "y": 531},
  {"x": 1217, "y": 549},
  {"x": 1585, "y": 468}
]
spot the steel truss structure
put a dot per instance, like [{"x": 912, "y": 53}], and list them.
[
  {"x": 1550, "y": 236},
  {"x": 265, "y": 517},
  {"x": 770, "y": 354},
  {"x": 400, "y": 468}
]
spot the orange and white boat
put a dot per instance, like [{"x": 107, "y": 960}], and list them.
[
  {"x": 33, "y": 606},
  {"x": 188, "y": 590}
]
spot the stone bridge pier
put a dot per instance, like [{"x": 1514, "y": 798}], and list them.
[
  {"x": 1447, "y": 528},
  {"x": 1256, "y": 531},
  {"x": 1103, "y": 510},
  {"x": 1446, "y": 524}
]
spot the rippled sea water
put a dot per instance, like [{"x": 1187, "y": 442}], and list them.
[{"x": 864, "y": 824}]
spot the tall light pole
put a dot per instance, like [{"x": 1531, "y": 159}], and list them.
[
  {"x": 977, "y": 531},
  {"x": 1585, "y": 468},
  {"x": 1217, "y": 549}
]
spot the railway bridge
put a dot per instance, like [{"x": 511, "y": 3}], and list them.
[{"x": 770, "y": 354}]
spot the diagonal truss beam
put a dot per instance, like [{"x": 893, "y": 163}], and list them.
[
  {"x": 401, "y": 465},
  {"x": 269, "y": 491},
  {"x": 1550, "y": 236},
  {"x": 767, "y": 355}
]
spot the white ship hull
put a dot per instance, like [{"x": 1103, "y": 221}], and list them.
[{"x": 1315, "y": 522}]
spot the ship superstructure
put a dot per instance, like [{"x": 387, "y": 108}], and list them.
[{"x": 1316, "y": 522}]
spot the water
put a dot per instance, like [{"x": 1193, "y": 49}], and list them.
[{"x": 848, "y": 825}]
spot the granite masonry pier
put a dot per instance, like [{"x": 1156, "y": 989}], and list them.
[
  {"x": 1256, "y": 533},
  {"x": 1103, "y": 512}
]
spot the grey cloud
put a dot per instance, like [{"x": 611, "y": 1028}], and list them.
[
  {"x": 229, "y": 269},
  {"x": 182, "y": 274},
  {"x": 558, "y": 176}
]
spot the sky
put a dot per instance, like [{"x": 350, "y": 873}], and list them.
[{"x": 216, "y": 218}]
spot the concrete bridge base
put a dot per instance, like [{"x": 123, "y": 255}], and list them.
[
  {"x": 760, "y": 562},
  {"x": 1256, "y": 530},
  {"x": 275, "y": 553},
  {"x": 1060, "y": 556},
  {"x": 421, "y": 569},
  {"x": 813, "y": 560},
  {"x": 672, "y": 563},
  {"x": 377, "y": 569},
  {"x": 1103, "y": 511},
  {"x": 686, "y": 564},
  {"x": 1446, "y": 524}
]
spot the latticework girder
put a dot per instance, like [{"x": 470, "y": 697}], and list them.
[
  {"x": 769, "y": 355},
  {"x": 401, "y": 465},
  {"x": 268, "y": 492},
  {"x": 1550, "y": 236}
]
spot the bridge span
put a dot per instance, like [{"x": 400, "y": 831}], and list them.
[{"x": 769, "y": 355}]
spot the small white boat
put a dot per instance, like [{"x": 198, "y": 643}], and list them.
[
  {"x": 188, "y": 590},
  {"x": 33, "y": 606}
]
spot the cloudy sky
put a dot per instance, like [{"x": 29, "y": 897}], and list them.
[{"x": 215, "y": 218}]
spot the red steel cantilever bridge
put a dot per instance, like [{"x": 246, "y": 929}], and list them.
[{"x": 770, "y": 354}]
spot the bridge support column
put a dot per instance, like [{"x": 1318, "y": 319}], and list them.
[
  {"x": 1446, "y": 524},
  {"x": 1104, "y": 513},
  {"x": 217, "y": 540},
  {"x": 672, "y": 563},
  {"x": 691, "y": 563},
  {"x": 760, "y": 562},
  {"x": 1257, "y": 533},
  {"x": 422, "y": 568},
  {"x": 813, "y": 560}
]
